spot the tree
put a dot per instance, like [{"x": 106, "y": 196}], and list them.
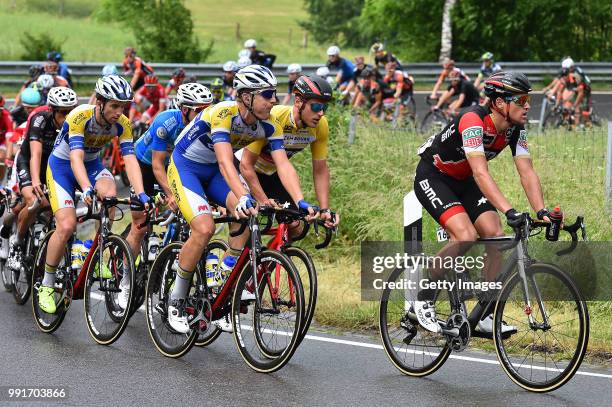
[
  {"x": 334, "y": 21},
  {"x": 163, "y": 28},
  {"x": 447, "y": 31}
]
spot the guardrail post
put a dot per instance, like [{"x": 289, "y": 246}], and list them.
[
  {"x": 609, "y": 168},
  {"x": 542, "y": 113}
]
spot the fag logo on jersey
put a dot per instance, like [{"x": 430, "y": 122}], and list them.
[{"x": 472, "y": 137}]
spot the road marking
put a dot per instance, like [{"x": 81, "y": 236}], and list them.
[{"x": 380, "y": 347}]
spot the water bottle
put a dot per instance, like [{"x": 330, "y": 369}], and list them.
[
  {"x": 153, "y": 248},
  {"x": 85, "y": 249},
  {"x": 75, "y": 254},
  {"x": 212, "y": 267},
  {"x": 552, "y": 229},
  {"x": 227, "y": 265}
]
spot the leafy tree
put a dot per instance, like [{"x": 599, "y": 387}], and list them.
[
  {"x": 37, "y": 46},
  {"x": 163, "y": 28},
  {"x": 332, "y": 21}
]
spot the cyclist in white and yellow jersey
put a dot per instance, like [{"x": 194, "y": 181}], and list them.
[
  {"x": 304, "y": 124},
  {"x": 204, "y": 153},
  {"x": 75, "y": 163}
]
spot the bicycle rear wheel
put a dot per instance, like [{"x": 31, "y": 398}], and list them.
[
  {"x": 412, "y": 349},
  {"x": 542, "y": 356},
  {"x": 105, "y": 318},
  {"x": 48, "y": 323},
  {"x": 308, "y": 275},
  {"x": 433, "y": 123},
  {"x": 218, "y": 247},
  {"x": 267, "y": 333},
  {"x": 161, "y": 278}
]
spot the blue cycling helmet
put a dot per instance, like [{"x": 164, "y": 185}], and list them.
[
  {"x": 109, "y": 70},
  {"x": 30, "y": 97}
]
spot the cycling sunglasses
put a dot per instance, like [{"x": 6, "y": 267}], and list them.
[
  {"x": 267, "y": 93},
  {"x": 520, "y": 100},
  {"x": 317, "y": 107},
  {"x": 196, "y": 109}
]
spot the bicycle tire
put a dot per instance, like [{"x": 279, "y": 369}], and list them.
[
  {"x": 49, "y": 323},
  {"x": 120, "y": 262},
  {"x": 309, "y": 285},
  {"x": 213, "y": 331},
  {"x": 433, "y": 122},
  {"x": 410, "y": 328},
  {"x": 506, "y": 357},
  {"x": 21, "y": 280},
  {"x": 6, "y": 278},
  {"x": 159, "y": 282},
  {"x": 251, "y": 351},
  {"x": 552, "y": 120}
]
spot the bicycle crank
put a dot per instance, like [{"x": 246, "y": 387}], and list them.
[{"x": 457, "y": 331}]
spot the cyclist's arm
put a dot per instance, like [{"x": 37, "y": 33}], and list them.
[
  {"x": 478, "y": 79},
  {"x": 457, "y": 103},
  {"x": 400, "y": 86},
  {"x": 35, "y": 159},
  {"x": 132, "y": 168},
  {"x": 320, "y": 171},
  {"x": 579, "y": 98},
  {"x": 530, "y": 182},
  {"x": 77, "y": 164},
  {"x": 225, "y": 157},
  {"x": 137, "y": 72},
  {"x": 247, "y": 170},
  {"x": 445, "y": 96},
  {"x": 439, "y": 83},
  {"x": 287, "y": 174}
]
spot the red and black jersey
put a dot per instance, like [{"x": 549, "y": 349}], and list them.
[
  {"x": 40, "y": 127},
  {"x": 471, "y": 133}
]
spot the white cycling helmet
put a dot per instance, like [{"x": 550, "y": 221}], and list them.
[
  {"x": 254, "y": 77},
  {"x": 173, "y": 104},
  {"x": 323, "y": 72},
  {"x": 567, "y": 63},
  {"x": 244, "y": 53},
  {"x": 193, "y": 94},
  {"x": 333, "y": 50},
  {"x": 45, "y": 81},
  {"x": 61, "y": 96},
  {"x": 109, "y": 70},
  {"x": 230, "y": 66},
  {"x": 114, "y": 87},
  {"x": 243, "y": 62},
  {"x": 294, "y": 68},
  {"x": 250, "y": 43}
]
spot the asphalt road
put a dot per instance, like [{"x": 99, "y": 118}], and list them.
[{"x": 326, "y": 370}]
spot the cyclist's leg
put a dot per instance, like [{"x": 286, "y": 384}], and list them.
[
  {"x": 134, "y": 238},
  {"x": 274, "y": 189},
  {"x": 26, "y": 217}
]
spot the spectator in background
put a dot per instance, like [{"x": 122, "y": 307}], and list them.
[
  {"x": 258, "y": 57},
  {"x": 135, "y": 66},
  {"x": 178, "y": 76},
  {"x": 62, "y": 68},
  {"x": 344, "y": 67},
  {"x": 229, "y": 71},
  {"x": 382, "y": 57},
  {"x": 294, "y": 71}
]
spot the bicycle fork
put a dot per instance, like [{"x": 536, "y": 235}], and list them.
[{"x": 528, "y": 310}]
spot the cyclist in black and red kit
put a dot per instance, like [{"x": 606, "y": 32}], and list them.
[{"x": 454, "y": 185}]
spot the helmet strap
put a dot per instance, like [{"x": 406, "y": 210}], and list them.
[
  {"x": 298, "y": 120},
  {"x": 102, "y": 113},
  {"x": 249, "y": 107}
]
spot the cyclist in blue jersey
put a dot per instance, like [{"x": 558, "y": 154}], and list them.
[
  {"x": 202, "y": 169},
  {"x": 345, "y": 68}
]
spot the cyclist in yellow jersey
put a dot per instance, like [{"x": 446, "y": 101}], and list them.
[
  {"x": 75, "y": 163},
  {"x": 304, "y": 124},
  {"x": 202, "y": 168}
]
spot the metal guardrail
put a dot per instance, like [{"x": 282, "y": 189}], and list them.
[{"x": 14, "y": 72}]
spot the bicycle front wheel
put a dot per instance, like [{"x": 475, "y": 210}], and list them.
[
  {"x": 412, "y": 349},
  {"x": 545, "y": 352},
  {"x": 267, "y": 331},
  {"x": 106, "y": 319},
  {"x": 308, "y": 275}
]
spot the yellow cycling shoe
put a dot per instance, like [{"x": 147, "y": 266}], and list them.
[
  {"x": 106, "y": 273},
  {"x": 46, "y": 299}
]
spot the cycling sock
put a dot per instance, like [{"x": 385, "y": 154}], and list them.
[
  {"x": 49, "y": 279},
  {"x": 181, "y": 284}
]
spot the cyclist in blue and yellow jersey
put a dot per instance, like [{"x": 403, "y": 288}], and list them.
[
  {"x": 204, "y": 152},
  {"x": 304, "y": 124},
  {"x": 153, "y": 148},
  {"x": 75, "y": 163},
  {"x": 488, "y": 68}
]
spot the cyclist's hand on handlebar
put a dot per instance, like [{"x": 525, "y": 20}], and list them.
[
  {"x": 330, "y": 218},
  {"x": 246, "y": 207},
  {"x": 515, "y": 219},
  {"x": 88, "y": 195},
  {"x": 171, "y": 203},
  {"x": 271, "y": 202},
  {"x": 145, "y": 200},
  {"x": 38, "y": 191},
  {"x": 313, "y": 211}
]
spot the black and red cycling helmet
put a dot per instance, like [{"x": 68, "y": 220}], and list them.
[
  {"x": 313, "y": 87},
  {"x": 506, "y": 84}
]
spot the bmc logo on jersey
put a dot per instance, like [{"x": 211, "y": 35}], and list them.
[
  {"x": 202, "y": 208},
  {"x": 472, "y": 137}
]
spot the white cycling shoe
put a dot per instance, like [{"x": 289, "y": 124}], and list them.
[
  {"x": 224, "y": 325},
  {"x": 426, "y": 314},
  {"x": 177, "y": 318},
  {"x": 486, "y": 326},
  {"x": 247, "y": 296},
  {"x": 124, "y": 295}
]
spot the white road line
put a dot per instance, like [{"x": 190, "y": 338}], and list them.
[{"x": 380, "y": 347}]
